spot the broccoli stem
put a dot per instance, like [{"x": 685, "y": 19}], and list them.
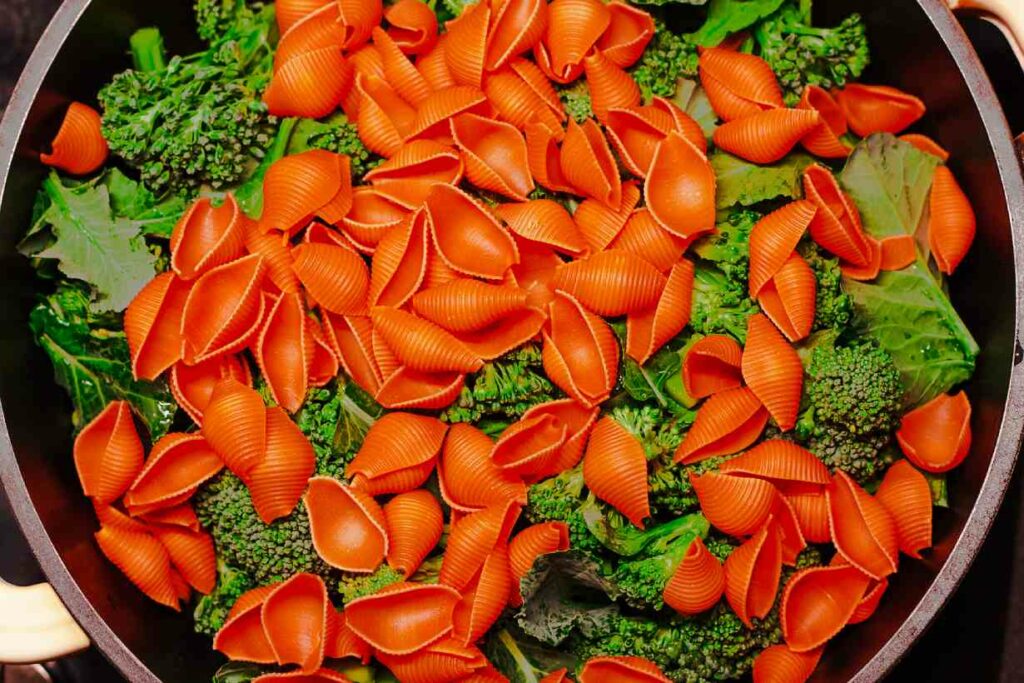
[{"x": 148, "y": 50}]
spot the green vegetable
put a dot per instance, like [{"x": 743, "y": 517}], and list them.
[
  {"x": 450, "y": 9},
  {"x": 726, "y": 17},
  {"x": 801, "y": 55},
  {"x": 250, "y": 193},
  {"x": 745, "y": 184},
  {"x": 833, "y": 309},
  {"x": 90, "y": 359},
  {"x": 576, "y": 99},
  {"x": 80, "y": 232},
  {"x": 561, "y": 499},
  {"x": 668, "y": 58},
  {"x": 659, "y": 433},
  {"x": 648, "y": 383},
  {"x": 212, "y": 610},
  {"x": 151, "y": 216},
  {"x": 335, "y": 134},
  {"x": 618, "y": 534},
  {"x": 335, "y": 419},
  {"x": 520, "y": 658},
  {"x": 238, "y": 672},
  {"x": 199, "y": 121},
  {"x": 691, "y": 98},
  {"x": 501, "y": 391},
  {"x": 214, "y": 18},
  {"x": 721, "y": 302}
]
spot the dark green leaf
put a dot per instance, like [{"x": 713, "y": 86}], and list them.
[
  {"x": 237, "y": 672},
  {"x": 692, "y": 99},
  {"x": 743, "y": 183},
  {"x": 522, "y": 659},
  {"x": 726, "y": 17}
]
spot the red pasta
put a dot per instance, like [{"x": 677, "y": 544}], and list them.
[
  {"x": 738, "y": 84},
  {"x": 766, "y": 137},
  {"x": 414, "y": 524},
  {"x": 680, "y": 188},
  {"x": 152, "y": 325},
  {"x": 580, "y": 353},
  {"x": 108, "y": 453},
  {"x": 612, "y": 283},
  {"x": 752, "y": 573},
  {"x": 773, "y": 371},
  {"x": 711, "y": 365},
  {"x": 951, "y": 224},
  {"x": 736, "y": 505},
  {"x": 697, "y": 583},
  {"x": 79, "y": 147},
  {"x": 467, "y": 237},
  {"x": 728, "y": 422},
  {"x": 937, "y": 435},
  {"x": 878, "y": 108},
  {"x": 348, "y": 527},
  {"x": 615, "y": 470},
  {"x": 494, "y": 153}
]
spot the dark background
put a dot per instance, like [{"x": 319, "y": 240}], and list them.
[{"x": 978, "y": 637}]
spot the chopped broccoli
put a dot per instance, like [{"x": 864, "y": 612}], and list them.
[
  {"x": 197, "y": 120},
  {"x": 855, "y": 401},
  {"x": 500, "y": 392},
  {"x": 576, "y": 99},
  {"x": 669, "y": 487},
  {"x": 212, "y": 610},
  {"x": 833, "y": 307},
  {"x": 351, "y": 586},
  {"x": 720, "y": 305},
  {"x": 561, "y": 499},
  {"x": 336, "y": 134},
  {"x": 729, "y": 246},
  {"x": 801, "y": 55},
  {"x": 659, "y": 432},
  {"x": 214, "y": 18},
  {"x": 668, "y": 58},
  {"x": 335, "y": 418}
]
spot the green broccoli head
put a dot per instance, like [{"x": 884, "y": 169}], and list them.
[
  {"x": 833, "y": 306},
  {"x": 342, "y": 137},
  {"x": 801, "y": 55},
  {"x": 562, "y": 499},
  {"x": 576, "y": 100},
  {"x": 351, "y": 586},
  {"x": 667, "y": 59},
  {"x": 214, "y": 18},
  {"x": 212, "y": 610},
  {"x": 720, "y": 305}
]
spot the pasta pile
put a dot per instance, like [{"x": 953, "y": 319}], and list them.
[{"x": 444, "y": 259}]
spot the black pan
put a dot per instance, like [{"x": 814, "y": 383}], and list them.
[{"x": 917, "y": 46}]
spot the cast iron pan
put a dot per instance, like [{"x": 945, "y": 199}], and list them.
[{"x": 916, "y": 45}]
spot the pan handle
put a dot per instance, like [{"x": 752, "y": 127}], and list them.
[
  {"x": 35, "y": 626},
  {"x": 1008, "y": 15}
]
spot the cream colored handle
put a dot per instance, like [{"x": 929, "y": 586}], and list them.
[
  {"x": 35, "y": 626},
  {"x": 1008, "y": 15}
]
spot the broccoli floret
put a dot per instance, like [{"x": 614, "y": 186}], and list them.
[
  {"x": 720, "y": 545},
  {"x": 561, "y": 499},
  {"x": 729, "y": 246},
  {"x": 855, "y": 400},
  {"x": 212, "y": 610},
  {"x": 833, "y": 307},
  {"x": 659, "y": 432},
  {"x": 197, "y": 120},
  {"x": 576, "y": 100},
  {"x": 669, "y": 487},
  {"x": 343, "y": 138},
  {"x": 352, "y": 586},
  {"x": 668, "y": 58},
  {"x": 500, "y": 392},
  {"x": 720, "y": 305},
  {"x": 801, "y": 55},
  {"x": 214, "y": 18}
]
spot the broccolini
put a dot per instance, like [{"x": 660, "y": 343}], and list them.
[
  {"x": 668, "y": 58},
  {"x": 212, "y": 610}
]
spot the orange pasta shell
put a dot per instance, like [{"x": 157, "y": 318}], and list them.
[
  {"x": 421, "y": 345},
  {"x": 400, "y": 262},
  {"x": 152, "y": 325},
  {"x": 738, "y": 84},
  {"x": 412, "y": 25},
  {"x": 628, "y": 34},
  {"x": 223, "y": 310},
  {"x": 207, "y": 236},
  {"x": 399, "y": 72},
  {"x": 415, "y": 524},
  {"x": 79, "y": 147},
  {"x": 836, "y": 225},
  {"x": 863, "y": 531},
  {"x": 284, "y": 352},
  {"x": 574, "y": 27},
  {"x": 735, "y": 505},
  {"x": 467, "y": 237},
  {"x": 468, "y": 305},
  {"x": 728, "y": 422},
  {"x": 774, "y": 238},
  {"x": 407, "y": 177},
  {"x": 817, "y": 603},
  {"x": 773, "y": 371},
  {"x": 178, "y": 464},
  {"x": 398, "y": 444},
  {"x": 143, "y": 560},
  {"x": 276, "y": 255},
  {"x": 779, "y": 664},
  {"x": 612, "y": 283},
  {"x": 680, "y": 187},
  {"x": 779, "y": 461},
  {"x": 926, "y": 144},
  {"x": 520, "y": 101},
  {"x": 311, "y": 84},
  {"x": 615, "y": 470},
  {"x": 622, "y": 670},
  {"x": 711, "y": 365},
  {"x": 108, "y": 453},
  {"x": 469, "y": 479},
  {"x": 767, "y": 136},
  {"x": 494, "y": 153},
  {"x": 435, "y": 113},
  {"x": 472, "y": 539},
  {"x": 789, "y": 298},
  {"x": 544, "y": 221},
  {"x": 530, "y": 445},
  {"x": 447, "y": 660},
  {"x": 643, "y": 236},
  {"x": 697, "y": 583},
  {"x": 824, "y": 141},
  {"x": 192, "y": 385},
  {"x": 752, "y": 574},
  {"x": 609, "y": 85},
  {"x": 517, "y": 25},
  {"x": 277, "y": 483},
  {"x": 936, "y": 436},
  {"x": 466, "y": 45},
  {"x": 878, "y": 108},
  {"x": 294, "y": 619},
  {"x": 580, "y": 353},
  {"x": 897, "y": 252},
  {"x": 483, "y": 602},
  {"x": 384, "y": 119},
  {"x": 600, "y": 224},
  {"x": 544, "y": 157},
  {"x": 192, "y": 554},
  {"x": 290, "y": 12},
  {"x": 348, "y": 527},
  {"x": 635, "y": 133},
  {"x": 648, "y": 331},
  {"x": 530, "y": 544},
  {"x": 905, "y": 493},
  {"x": 336, "y": 277},
  {"x": 951, "y": 223},
  {"x": 587, "y": 162},
  {"x": 811, "y": 512},
  {"x": 413, "y": 389}
]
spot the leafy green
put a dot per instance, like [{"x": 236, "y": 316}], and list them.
[
  {"x": 90, "y": 359},
  {"x": 692, "y": 99},
  {"x": 90, "y": 243},
  {"x": 745, "y": 184},
  {"x": 522, "y": 659},
  {"x": 726, "y": 17},
  {"x": 335, "y": 419}
]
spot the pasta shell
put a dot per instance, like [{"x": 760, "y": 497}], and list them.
[
  {"x": 544, "y": 157},
  {"x": 483, "y": 602},
  {"x": 951, "y": 224},
  {"x": 507, "y": 334},
  {"x": 143, "y": 560},
  {"x": 936, "y": 436},
  {"x": 773, "y": 371},
  {"x": 609, "y": 85},
  {"x": 774, "y": 238},
  {"x": 738, "y": 84},
  {"x": 863, "y": 531},
  {"x": 433, "y": 65},
  {"x": 412, "y": 389},
  {"x": 108, "y": 453},
  {"x": 926, "y": 144},
  {"x": 544, "y": 221},
  {"x": 560, "y": 676},
  {"x": 467, "y": 237},
  {"x": 415, "y": 524},
  {"x": 580, "y": 353},
  {"x": 579, "y": 421},
  {"x": 870, "y": 270},
  {"x": 711, "y": 365},
  {"x": 399, "y": 263},
  {"x": 517, "y": 25},
  {"x": 277, "y": 483},
  {"x": 223, "y": 310},
  {"x": 421, "y": 345},
  {"x": 574, "y": 27},
  {"x": 433, "y": 118},
  {"x": 680, "y": 188},
  {"x": 779, "y": 664},
  {"x": 728, "y": 422},
  {"x": 469, "y": 479},
  {"x": 178, "y": 464},
  {"x": 396, "y": 451},
  {"x": 780, "y": 462},
  {"x": 192, "y": 385},
  {"x": 824, "y": 141},
  {"x": 615, "y": 470},
  {"x": 448, "y": 660},
  {"x": 817, "y": 603},
  {"x": 371, "y": 217},
  {"x": 612, "y": 283},
  {"x": 788, "y": 526},
  {"x": 905, "y": 493},
  {"x": 348, "y": 528},
  {"x": 600, "y": 224},
  {"x": 878, "y": 108},
  {"x": 466, "y": 46},
  {"x": 294, "y": 619},
  {"x": 207, "y": 236},
  {"x": 290, "y": 12},
  {"x": 407, "y": 177},
  {"x": 529, "y": 445},
  {"x": 79, "y": 147},
  {"x": 811, "y": 512},
  {"x": 311, "y": 84},
  {"x": 325, "y": 364},
  {"x": 318, "y": 676},
  {"x": 471, "y": 541},
  {"x": 399, "y": 72},
  {"x": 384, "y": 119},
  {"x": 342, "y": 642},
  {"x": 735, "y": 505},
  {"x": 635, "y": 133},
  {"x": 587, "y": 162},
  {"x": 684, "y": 124},
  {"x": 628, "y": 34},
  {"x": 412, "y": 25},
  {"x": 367, "y": 61},
  {"x": 697, "y": 583},
  {"x": 242, "y": 637},
  {"x": 495, "y": 155},
  {"x": 622, "y": 670},
  {"x": 468, "y": 305},
  {"x": 152, "y": 325},
  {"x": 648, "y": 331},
  {"x": 539, "y": 83},
  {"x": 766, "y": 137},
  {"x": 644, "y": 237},
  {"x": 520, "y": 101},
  {"x": 789, "y": 299},
  {"x": 535, "y": 272},
  {"x": 336, "y": 277},
  {"x": 315, "y": 31},
  {"x": 284, "y": 352},
  {"x": 869, "y": 603},
  {"x": 351, "y": 338},
  {"x": 897, "y": 252},
  {"x": 192, "y": 554},
  {"x": 180, "y": 514},
  {"x": 530, "y": 544},
  {"x": 359, "y": 17},
  {"x": 836, "y": 225},
  {"x": 276, "y": 255},
  {"x": 296, "y": 187},
  {"x": 752, "y": 574}
]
